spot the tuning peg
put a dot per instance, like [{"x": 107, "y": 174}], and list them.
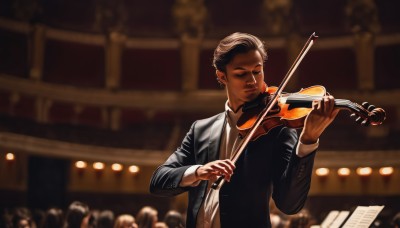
[
  {"x": 365, "y": 123},
  {"x": 365, "y": 104},
  {"x": 359, "y": 120},
  {"x": 371, "y": 107},
  {"x": 353, "y": 116}
]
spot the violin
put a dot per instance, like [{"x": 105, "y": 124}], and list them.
[{"x": 291, "y": 109}]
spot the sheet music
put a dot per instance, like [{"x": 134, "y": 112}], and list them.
[
  {"x": 363, "y": 216},
  {"x": 329, "y": 219},
  {"x": 340, "y": 219}
]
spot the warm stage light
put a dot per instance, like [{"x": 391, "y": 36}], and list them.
[
  {"x": 364, "y": 171},
  {"x": 134, "y": 169},
  {"x": 343, "y": 172},
  {"x": 322, "y": 172},
  {"x": 80, "y": 164},
  {"x": 116, "y": 167},
  {"x": 10, "y": 157},
  {"x": 98, "y": 165},
  {"x": 386, "y": 171}
]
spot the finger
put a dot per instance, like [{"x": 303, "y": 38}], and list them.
[
  {"x": 315, "y": 105},
  {"x": 326, "y": 105},
  {"x": 335, "y": 112},
  {"x": 230, "y": 164},
  {"x": 218, "y": 168},
  {"x": 331, "y": 104},
  {"x": 222, "y": 168}
]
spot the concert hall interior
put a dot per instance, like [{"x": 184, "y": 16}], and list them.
[{"x": 95, "y": 95}]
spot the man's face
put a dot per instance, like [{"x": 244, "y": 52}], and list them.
[{"x": 244, "y": 78}]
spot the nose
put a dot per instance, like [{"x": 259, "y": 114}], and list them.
[{"x": 252, "y": 80}]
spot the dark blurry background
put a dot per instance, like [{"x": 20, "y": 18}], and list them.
[{"x": 120, "y": 81}]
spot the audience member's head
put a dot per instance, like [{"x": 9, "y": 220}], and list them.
[
  {"x": 105, "y": 219},
  {"x": 77, "y": 215},
  {"x": 147, "y": 217},
  {"x": 53, "y": 218},
  {"x": 396, "y": 221},
  {"x": 22, "y": 218},
  {"x": 5, "y": 219},
  {"x": 174, "y": 219},
  {"x": 125, "y": 221},
  {"x": 161, "y": 225}
]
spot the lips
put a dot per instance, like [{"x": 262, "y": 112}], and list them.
[{"x": 251, "y": 90}]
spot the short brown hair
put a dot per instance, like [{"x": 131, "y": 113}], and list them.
[{"x": 234, "y": 44}]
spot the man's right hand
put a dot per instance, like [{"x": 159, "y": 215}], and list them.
[{"x": 214, "y": 169}]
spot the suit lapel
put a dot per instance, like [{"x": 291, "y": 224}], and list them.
[{"x": 215, "y": 137}]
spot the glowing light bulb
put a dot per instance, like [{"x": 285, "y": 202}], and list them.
[
  {"x": 386, "y": 171},
  {"x": 116, "y": 167},
  {"x": 98, "y": 165},
  {"x": 134, "y": 169},
  {"x": 322, "y": 172},
  {"x": 80, "y": 164},
  {"x": 10, "y": 157},
  {"x": 364, "y": 171},
  {"x": 344, "y": 172}
]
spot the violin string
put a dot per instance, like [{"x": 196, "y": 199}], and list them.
[{"x": 339, "y": 102}]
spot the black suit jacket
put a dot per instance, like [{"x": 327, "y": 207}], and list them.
[{"x": 268, "y": 166}]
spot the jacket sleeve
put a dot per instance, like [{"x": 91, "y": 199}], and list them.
[
  {"x": 166, "y": 178},
  {"x": 292, "y": 175}
]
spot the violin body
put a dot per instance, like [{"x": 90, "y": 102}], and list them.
[{"x": 292, "y": 109}]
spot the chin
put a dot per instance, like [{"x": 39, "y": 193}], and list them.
[{"x": 251, "y": 97}]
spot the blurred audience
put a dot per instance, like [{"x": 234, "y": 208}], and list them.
[
  {"x": 105, "y": 219},
  {"x": 125, "y": 221},
  {"x": 174, "y": 219},
  {"x": 77, "y": 215},
  {"x": 22, "y": 218},
  {"x": 396, "y": 221},
  {"x": 161, "y": 225},
  {"x": 147, "y": 217},
  {"x": 53, "y": 218}
]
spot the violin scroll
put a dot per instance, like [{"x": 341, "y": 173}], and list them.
[{"x": 369, "y": 115}]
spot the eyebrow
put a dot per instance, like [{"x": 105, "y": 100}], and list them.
[{"x": 241, "y": 68}]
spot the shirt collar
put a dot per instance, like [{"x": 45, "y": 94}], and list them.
[{"x": 231, "y": 115}]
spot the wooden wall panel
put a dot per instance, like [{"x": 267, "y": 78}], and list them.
[
  {"x": 387, "y": 70},
  {"x": 14, "y": 53},
  {"x": 75, "y": 64},
  {"x": 145, "y": 69}
]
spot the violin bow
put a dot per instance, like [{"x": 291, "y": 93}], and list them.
[{"x": 246, "y": 139}]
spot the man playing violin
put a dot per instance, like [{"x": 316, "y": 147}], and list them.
[{"x": 277, "y": 164}]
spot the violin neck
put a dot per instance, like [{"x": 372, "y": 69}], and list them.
[{"x": 306, "y": 102}]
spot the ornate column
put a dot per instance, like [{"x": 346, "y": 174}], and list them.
[
  {"x": 111, "y": 118},
  {"x": 277, "y": 16},
  {"x": 362, "y": 18},
  {"x": 114, "y": 47},
  {"x": 190, "y": 16},
  {"x": 37, "y": 40},
  {"x": 14, "y": 99},
  {"x": 42, "y": 106},
  {"x": 279, "y": 21}
]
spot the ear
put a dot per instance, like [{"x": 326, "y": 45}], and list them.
[{"x": 221, "y": 77}]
